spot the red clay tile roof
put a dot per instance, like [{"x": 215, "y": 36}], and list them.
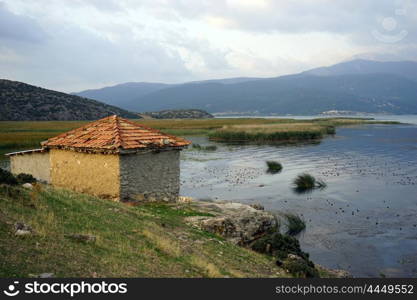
[{"x": 113, "y": 134}]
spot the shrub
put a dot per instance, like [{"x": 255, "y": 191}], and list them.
[
  {"x": 294, "y": 224},
  {"x": 273, "y": 167},
  {"x": 300, "y": 268},
  {"x": 25, "y": 178},
  {"x": 305, "y": 182},
  {"x": 7, "y": 178},
  {"x": 279, "y": 245}
]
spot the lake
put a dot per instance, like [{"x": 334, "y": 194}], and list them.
[{"x": 365, "y": 221}]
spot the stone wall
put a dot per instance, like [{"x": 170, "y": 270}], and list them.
[
  {"x": 95, "y": 174},
  {"x": 36, "y": 163},
  {"x": 150, "y": 176}
]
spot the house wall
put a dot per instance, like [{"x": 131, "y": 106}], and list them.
[
  {"x": 36, "y": 163},
  {"x": 96, "y": 174},
  {"x": 150, "y": 176}
]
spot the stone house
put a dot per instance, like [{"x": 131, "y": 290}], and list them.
[{"x": 112, "y": 158}]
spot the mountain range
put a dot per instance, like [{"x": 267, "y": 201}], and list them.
[{"x": 357, "y": 86}]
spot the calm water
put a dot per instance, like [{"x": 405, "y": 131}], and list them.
[{"x": 365, "y": 221}]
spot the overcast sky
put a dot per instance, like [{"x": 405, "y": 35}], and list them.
[{"x": 71, "y": 45}]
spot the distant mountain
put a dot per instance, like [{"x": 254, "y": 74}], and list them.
[
  {"x": 20, "y": 101},
  {"x": 358, "y": 85},
  {"x": 407, "y": 69},
  {"x": 123, "y": 93},
  {"x": 293, "y": 94}
]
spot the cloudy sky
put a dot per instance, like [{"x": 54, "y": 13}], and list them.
[{"x": 71, "y": 45}]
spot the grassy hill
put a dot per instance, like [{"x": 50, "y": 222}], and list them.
[
  {"x": 23, "y": 102},
  {"x": 149, "y": 240}
]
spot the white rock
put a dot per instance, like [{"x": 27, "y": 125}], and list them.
[
  {"x": 21, "y": 232},
  {"x": 27, "y": 185}
]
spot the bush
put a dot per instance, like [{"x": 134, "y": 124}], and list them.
[
  {"x": 273, "y": 167},
  {"x": 7, "y": 178},
  {"x": 300, "y": 268},
  {"x": 279, "y": 245},
  {"x": 294, "y": 224},
  {"x": 305, "y": 182},
  {"x": 25, "y": 178},
  {"x": 286, "y": 249}
]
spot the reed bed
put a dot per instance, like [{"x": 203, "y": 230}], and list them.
[{"x": 269, "y": 132}]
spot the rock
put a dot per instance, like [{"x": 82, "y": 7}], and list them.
[
  {"x": 239, "y": 223},
  {"x": 257, "y": 206},
  {"x": 20, "y": 232},
  {"x": 43, "y": 275},
  {"x": 82, "y": 237},
  {"x": 27, "y": 185},
  {"x": 184, "y": 199},
  {"x": 22, "y": 229},
  {"x": 333, "y": 273}
]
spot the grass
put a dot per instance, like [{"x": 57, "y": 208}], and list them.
[
  {"x": 274, "y": 167},
  {"x": 295, "y": 224},
  {"x": 269, "y": 132},
  {"x": 149, "y": 240},
  {"x": 306, "y": 182}
]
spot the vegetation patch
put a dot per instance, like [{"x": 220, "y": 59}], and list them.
[
  {"x": 274, "y": 167},
  {"x": 295, "y": 224},
  {"x": 306, "y": 182},
  {"x": 288, "y": 254},
  {"x": 7, "y": 178},
  {"x": 269, "y": 132}
]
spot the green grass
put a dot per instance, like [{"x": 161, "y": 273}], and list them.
[
  {"x": 306, "y": 182},
  {"x": 274, "y": 167},
  {"x": 295, "y": 224},
  {"x": 149, "y": 240}
]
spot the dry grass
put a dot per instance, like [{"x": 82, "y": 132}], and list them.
[
  {"x": 163, "y": 242},
  {"x": 271, "y": 128},
  {"x": 210, "y": 269}
]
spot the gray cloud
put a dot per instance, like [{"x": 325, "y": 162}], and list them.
[
  {"x": 19, "y": 28},
  {"x": 76, "y": 44}
]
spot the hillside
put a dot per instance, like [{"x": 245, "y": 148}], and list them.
[
  {"x": 358, "y": 86},
  {"x": 20, "y": 101},
  {"x": 149, "y": 240}
]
